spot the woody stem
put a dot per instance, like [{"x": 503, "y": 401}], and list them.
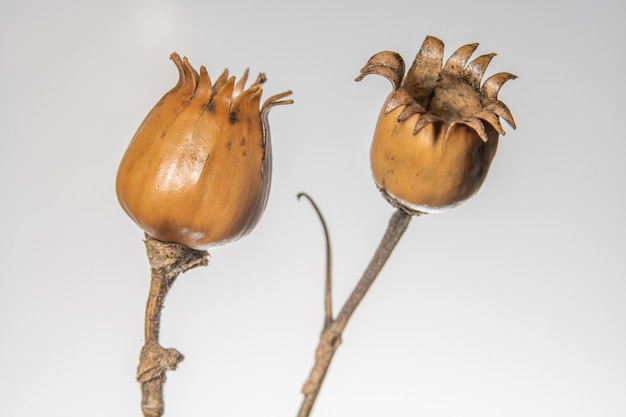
[
  {"x": 167, "y": 261},
  {"x": 330, "y": 338}
]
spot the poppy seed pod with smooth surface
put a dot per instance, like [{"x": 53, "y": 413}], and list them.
[
  {"x": 198, "y": 170},
  {"x": 438, "y": 131}
]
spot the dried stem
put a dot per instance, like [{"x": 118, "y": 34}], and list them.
[
  {"x": 328, "y": 298},
  {"x": 167, "y": 261},
  {"x": 330, "y": 338}
]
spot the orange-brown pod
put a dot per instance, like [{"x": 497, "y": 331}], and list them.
[
  {"x": 438, "y": 131},
  {"x": 198, "y": 170}
]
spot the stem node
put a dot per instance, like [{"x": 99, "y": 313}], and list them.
[
  {"x": 167, "y": 261},
  {"x": 331, "y": 336}
]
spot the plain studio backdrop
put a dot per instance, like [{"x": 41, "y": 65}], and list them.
[{"x": 509, "y": 305}]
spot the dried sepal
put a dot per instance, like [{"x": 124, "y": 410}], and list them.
[
  {"x": 493, "y": 119},
  {"x": 400, "y": 98},
  {"x": 458, "y": 60},
  {"x": 260, "y": 79},
  {"x": 276, "y": 100},
  {"x": 422, "y": 77},
  {"x": 475, "y": 70},
  {"x": 221, "y": 80},
  {"x": 248, "y": 99},
  {"x": 204, "y": 88},
  {"x": 491, "y": 87},
  {"x": 424, "y": 120},
  {"x": 409, "y": 111},
  {"x": 223, "y": 97},
  {"x": 191, "y": 77},
  {"x": 241, "y": 84},
  {"x": 503, "y": 111},
  {"x": 473, "y": 123},
  {"x": 387, "y": 64}
]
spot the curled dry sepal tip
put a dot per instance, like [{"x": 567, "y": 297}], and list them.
[
  {"x": 198, "y": 170},
  {"x": 438, "y": 130}
]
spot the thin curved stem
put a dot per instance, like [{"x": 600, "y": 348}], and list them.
[
  {"x": 328, "y": 297},
  {"x": 331, "y": 336}
]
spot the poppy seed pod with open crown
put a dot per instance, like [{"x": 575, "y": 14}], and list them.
[
  {"x": 198, "y": 170},
  {"x": 438, "y": 131}
]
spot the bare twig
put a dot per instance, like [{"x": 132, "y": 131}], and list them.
[
  {"x": 330, "y": 338},
  {"x": 167, "y": 261}
]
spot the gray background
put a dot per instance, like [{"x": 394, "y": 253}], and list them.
[{"x": 510, "y": 305}]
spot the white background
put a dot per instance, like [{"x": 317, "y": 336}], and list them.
[{"x": 510, "y": 305}]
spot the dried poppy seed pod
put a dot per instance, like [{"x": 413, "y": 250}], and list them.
[
  {"x": 438, "y": 131},
  {"x": 198, "y": 170}
]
